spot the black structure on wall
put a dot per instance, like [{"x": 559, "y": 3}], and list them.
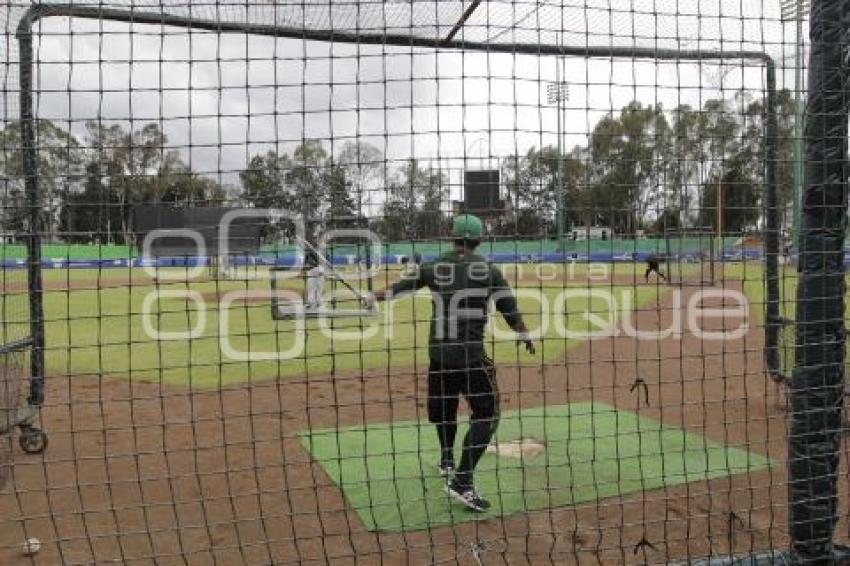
[
  {"x": 242, "y": 233},
  {"x": 481, "y": 192}
]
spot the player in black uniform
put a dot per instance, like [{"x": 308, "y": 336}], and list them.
[
  {"x": 653, "y": 263},
  {"x": 415, "y": 259},
  {"x": 463, "y": 284}
]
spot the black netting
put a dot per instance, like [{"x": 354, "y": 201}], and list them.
[{"x": 413, "y": 281}]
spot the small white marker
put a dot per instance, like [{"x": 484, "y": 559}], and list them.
[{"x": 31, "y": 546}]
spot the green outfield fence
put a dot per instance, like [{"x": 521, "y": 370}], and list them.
[
  {"x": 71, "y": 251},
  {"x": 430, "y": 247}
]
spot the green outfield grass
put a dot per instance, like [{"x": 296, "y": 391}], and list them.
[
  {"x": 101, "y": 331},
  {"x": 580, "y": 274},
  {"x": 94, "y": 323},
  {"x": 388, "y": 474},
  {"x": 751, "y": 274},
  {"x": 756, "y": 293}
]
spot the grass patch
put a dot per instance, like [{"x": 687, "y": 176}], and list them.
[{"x": 102, "y": 331}]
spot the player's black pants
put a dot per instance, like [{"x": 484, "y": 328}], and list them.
[
  {"x": 478, "y": 384},
  {"x": 652, "y": 266}
]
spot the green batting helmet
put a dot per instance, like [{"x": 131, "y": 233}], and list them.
[{"x": 468, "y": 227}]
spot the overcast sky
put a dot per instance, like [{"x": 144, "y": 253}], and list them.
[{"x": 222, "y": 98}]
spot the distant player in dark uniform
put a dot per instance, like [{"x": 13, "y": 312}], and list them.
[
  {"x": 415, "y": 259},
  {"x": 462, "y": 285},
  {"x": 653, "y": 264}
]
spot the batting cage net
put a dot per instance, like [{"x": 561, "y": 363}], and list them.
[
  {"x": 422, "y": 282},
  {"x": 691, "y": 259},
  {"x": 15, "y": 341}
]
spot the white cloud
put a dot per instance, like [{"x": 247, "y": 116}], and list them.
[{"x": 221, "y": 98}]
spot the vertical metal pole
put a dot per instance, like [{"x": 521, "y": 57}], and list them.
[
  {"x": 817, "y": 390},
  {"x": 773, "y": 321},
  {"x": 798, "y": 128},
  {"x": 30, "y": 171},
  {"x": 719, "y": 246},
  {"x": 364, "y": 223},
  {"x": 719, "y": 197},
  {"x": 711, "y": 259},
  {"x": 560, "y": 188}
]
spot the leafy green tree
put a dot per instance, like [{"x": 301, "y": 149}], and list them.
[
  {"x": 263, "y": 182},
  {"x": 365, "y": 169},
  {"x": 753, "y": 146},
  {"x": 741, "y": 195},
  {"x": 139, "y": 168},
  {"x": 177, "y": 184},
  {"x": 628, "y": 162},
  {"x": 264, "y": 186},
  {"x": 414, "y": 205},
  {"x": 342, "y": 210},
  {"x": 669, "y": 220},
  {"x": 59, "y": 166},
  {"x": 305, "y": 178},
  {"x": 92, "y": 214},
  {"x": 306, "y": 184},
  {"x": 683, "y": 169},
  {"x": 131, "y": 162},
  {"x": 531, "y": 184}
]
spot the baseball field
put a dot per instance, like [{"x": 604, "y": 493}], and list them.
[{"x": 185, "y": 422}]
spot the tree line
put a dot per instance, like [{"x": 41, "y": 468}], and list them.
[
  {"x": 643, "y": 168},
  {"x": 646, "y": 168},
  {"x": 88, "y": 189}
]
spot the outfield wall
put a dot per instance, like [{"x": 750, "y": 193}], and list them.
[
  {"x": 689, "y": 249},
  {"x": 291, "y": 260},
  {"x": 424, "y": 247}
]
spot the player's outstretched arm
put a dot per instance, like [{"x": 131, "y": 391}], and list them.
[
  {"x": 409, "y": 283},
  {"x": 506, "y": 304}
]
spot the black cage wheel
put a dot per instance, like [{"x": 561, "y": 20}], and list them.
[{"x": 33, "y": 440}]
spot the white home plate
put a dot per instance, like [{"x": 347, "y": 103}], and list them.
[{"x": 519, "y": 449}]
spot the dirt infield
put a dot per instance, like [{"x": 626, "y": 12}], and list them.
[
  {"x": 534, "y": 275},
  {"x": 142, "y": 474}
]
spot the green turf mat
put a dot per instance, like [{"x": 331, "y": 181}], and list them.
[{"x": 388, "y": 473}]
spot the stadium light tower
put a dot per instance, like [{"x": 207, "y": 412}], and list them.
[
  {"x": 481, "y": 142},
  {"x": 558, "y": 93},
  {"x": 795, "y": 11}
]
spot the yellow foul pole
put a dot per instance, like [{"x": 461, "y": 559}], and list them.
[{"x": 719, "y": 209}]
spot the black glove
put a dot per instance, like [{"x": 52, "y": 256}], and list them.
[{"x": 525, "y": 338}]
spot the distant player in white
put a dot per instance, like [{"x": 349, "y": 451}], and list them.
[{"x": 314, "y": 273}]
